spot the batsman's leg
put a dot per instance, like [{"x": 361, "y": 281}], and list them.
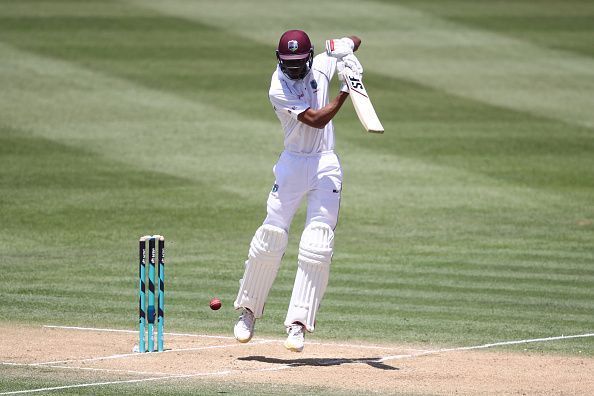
[
  {"x": 315, "y": 255},
  {"x": 266, "y": 252}
]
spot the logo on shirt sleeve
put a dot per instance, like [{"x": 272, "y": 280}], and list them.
[{"x": 313, "y": 84}]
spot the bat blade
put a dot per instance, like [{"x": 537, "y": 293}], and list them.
[{"x": 363, "y": 105}]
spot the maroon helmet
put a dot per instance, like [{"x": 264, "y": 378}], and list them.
[{"x": 295, "y": 54}]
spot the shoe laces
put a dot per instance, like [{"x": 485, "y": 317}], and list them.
[
  {"x": 295, "y": 330},
  {"x": 247, "y": 318}
]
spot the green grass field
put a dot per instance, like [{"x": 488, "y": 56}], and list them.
[{"x": 470, "y": 221}]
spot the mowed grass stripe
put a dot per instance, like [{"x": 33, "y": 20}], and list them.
[
  {"x": 426, "y": 268},
  {"x": 505, "y": 145},
  {"x": 135, "y": 25},
  {"x": 552, "y": 281},
  {"x": 474, "y": 265},
  {"x": 403, "y": 285},
  {"x": 457, "y": 289},
  {"x": 65, "y": 187},
  {"x": 403, "y": 288},
  {"x": 170, "y": 61},
  {"x": 525, "y": 307},
  {"x": 476, "y": 146},
  {"x": 393, "y": 308},
  {"x": 183, "y": 123},
  {"x": 412, "y": 315},
  {"x": 193, "y": 139},
  {"x": 564, "y": 25},
  {"x": 403, "y": 41}
]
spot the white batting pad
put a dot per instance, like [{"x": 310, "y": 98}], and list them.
[
  {"x": 266, "y": 251},
  {"x": 315, "y": 255}
]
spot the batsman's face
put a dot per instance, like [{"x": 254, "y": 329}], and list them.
[{"x": 295, "y": 69}]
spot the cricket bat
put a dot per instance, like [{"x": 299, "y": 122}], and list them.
[{"x": 362, "y": 104}]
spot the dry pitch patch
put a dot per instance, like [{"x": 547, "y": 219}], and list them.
[{"x": 88, "y": 356}]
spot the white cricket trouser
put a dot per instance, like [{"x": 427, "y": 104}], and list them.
[{"x": 317, "y": 176}]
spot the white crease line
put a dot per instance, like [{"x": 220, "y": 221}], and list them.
[
  {"x": 85, "y": 369},
  {"x": 228, "y": 338},
  {"x": 115, "y": 382},
  {"x": 136, "y": 354},
  {"x": 276, "y": 368},
  {"x": 484, "y": 346},
  {"x": 215, "y": 373},
  {"x": 152, "y": 373},
  {"x": 122, "y": 355}
]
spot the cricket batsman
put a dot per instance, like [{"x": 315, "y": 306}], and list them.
[{"x": 307, "y": 168}]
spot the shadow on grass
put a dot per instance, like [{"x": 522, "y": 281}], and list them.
[{"x": 321, "y": 362}]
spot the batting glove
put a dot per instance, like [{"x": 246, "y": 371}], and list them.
[
  {"x": 342, "y": 76},
  {"x": 338, "y": 48},
  {"x": 353, "y": 63}
]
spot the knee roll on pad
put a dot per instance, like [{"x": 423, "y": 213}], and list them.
[
  {"x": 265, "y": 254},
  {"x": 268, "y": 243},
  {"x": 315, "y": 255},
  {"x": 317, "y": 243}
]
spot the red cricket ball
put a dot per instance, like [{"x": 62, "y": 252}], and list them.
[{"x": 215, "y": 304}]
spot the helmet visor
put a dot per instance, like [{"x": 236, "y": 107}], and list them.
[
  {"x": 293, "y": 56},
  {"x": 295, "y": 69}
]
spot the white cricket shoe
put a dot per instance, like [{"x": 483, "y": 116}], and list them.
[
  {"x": 296, "y": 339},
  {"x": 244, "y": 328}
]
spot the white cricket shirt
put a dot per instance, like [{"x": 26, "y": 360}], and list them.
[{"x": 290, "y": 98}]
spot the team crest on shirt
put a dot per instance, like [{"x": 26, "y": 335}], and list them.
[
  {"x": 314, "y": 84},
  {"x": 293, "y": 45}
]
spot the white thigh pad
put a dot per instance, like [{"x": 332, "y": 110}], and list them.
[
  {"x": 266, "y": 251},
  {"x": 315, "y": 255}
]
